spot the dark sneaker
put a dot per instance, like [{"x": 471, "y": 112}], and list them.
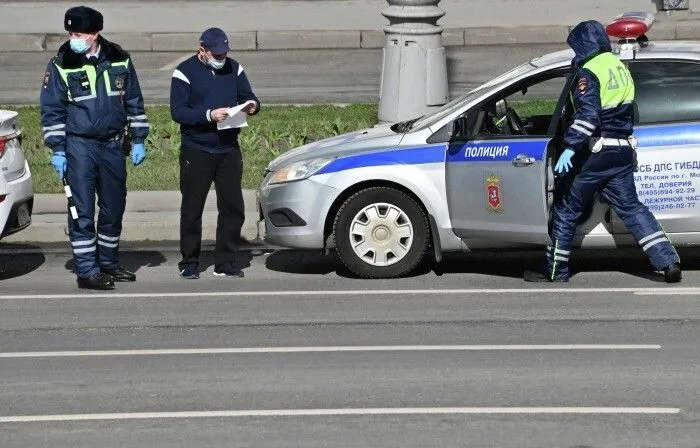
[
  {"x": 190, "y": 272},
  {"x": 538, "y": 277},
  {"x": 672, "y": 273},
  {"x": 227, "y": 270},
  {"x": 98, "y": 281},
  {"x": 120, "y": 274}
]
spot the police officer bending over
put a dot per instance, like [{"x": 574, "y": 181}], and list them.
[
  {"x": 90, "y": 94},
  {"x": 598, "y": 141}
]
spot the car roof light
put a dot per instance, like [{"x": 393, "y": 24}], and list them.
[
  {"x": 630, "y": 25},
  {"x": 630, "y": 29}
]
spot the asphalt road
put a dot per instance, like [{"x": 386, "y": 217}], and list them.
[
  {"x": 300, "y": 355},
  {"x": 288, "y": 77}
]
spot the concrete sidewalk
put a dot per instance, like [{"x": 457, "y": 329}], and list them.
[
  {"x": 150, "y": 216},
  {"x": 304, "y": 24}
]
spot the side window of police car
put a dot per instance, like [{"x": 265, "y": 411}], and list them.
[
  {"x": 525, "y": 109},
  {"x": 666, "y": 91}
]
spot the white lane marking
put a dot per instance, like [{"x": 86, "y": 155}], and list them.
[
  {"x": 664, "y": 292},
  {"x": 335, "y": 412},
  {"x": 176, "y": 62},
  {"x": 372, "y": 292},
  {"x": 330, "y": 349}
]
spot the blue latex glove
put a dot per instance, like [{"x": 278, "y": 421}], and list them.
[
  {"x": 564, "y": 163},
  {"x": 59, "y": 162},
  {"x": 138, "y": 153}
]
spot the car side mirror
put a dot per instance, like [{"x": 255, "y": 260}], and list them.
[
  {"x": 458, "y": 129},
  {"x": 451, "y": 130},
  {"x": 501, "y": 108}
]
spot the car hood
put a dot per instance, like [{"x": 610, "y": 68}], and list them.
[{"x": 377, "y": 137}]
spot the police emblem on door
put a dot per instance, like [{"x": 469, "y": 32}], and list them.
[{"x": 494, "y": 201}]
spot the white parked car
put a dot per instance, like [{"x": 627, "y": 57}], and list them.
[{"x": 16, "y": 188}]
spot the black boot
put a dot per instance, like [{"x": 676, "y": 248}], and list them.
[
  {"x": 98, "y": 281},
  {"x": 538, "y": 277},
  {"x": 120, "y": 274},
  {"x": 672, "y": 273}
]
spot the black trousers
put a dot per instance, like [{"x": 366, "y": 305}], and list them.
[{"x": 197, "y": 171}]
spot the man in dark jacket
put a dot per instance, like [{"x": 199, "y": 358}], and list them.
[
  {"x": 598, "y": 142},
  {"x": 203, "y": 87},
  {"x": 89, "y": 95}
]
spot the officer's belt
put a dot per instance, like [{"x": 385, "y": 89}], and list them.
[
  {"x": 616, "y": 142},
  {"x": 117, "y": 136}
]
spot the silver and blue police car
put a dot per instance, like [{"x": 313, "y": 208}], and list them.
[{"x": 477, "y": 173}]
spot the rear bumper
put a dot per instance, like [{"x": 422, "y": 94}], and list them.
[{"x": 16, "y": 209}]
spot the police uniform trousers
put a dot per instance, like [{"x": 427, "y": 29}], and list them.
[
  {"x": 197, "y": 171},
  {"x": 611, "y": 173},
  {"x": 96, "y": 166}
]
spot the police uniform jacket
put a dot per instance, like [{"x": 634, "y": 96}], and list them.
[
  {"x": 602, "y": 92},
  {"x": 93, "y": 99}
]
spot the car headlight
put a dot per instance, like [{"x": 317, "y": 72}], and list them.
[{"x": 298, "y": 170}]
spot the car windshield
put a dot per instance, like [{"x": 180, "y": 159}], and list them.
[{"x": 460, "y": 102}]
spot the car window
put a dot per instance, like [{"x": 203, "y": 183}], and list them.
[
  {"x": 666, "y": 91},
  {"x": 462, "y": 101},
  {"x": 524, "y": 109}
]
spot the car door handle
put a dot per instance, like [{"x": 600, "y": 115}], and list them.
[{"x": 523, "y": 160}]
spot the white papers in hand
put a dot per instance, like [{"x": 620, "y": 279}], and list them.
[{"x": 236, "y": 117}]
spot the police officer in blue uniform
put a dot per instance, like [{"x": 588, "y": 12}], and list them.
[
  {"x": 600, "y": 157},
  {"x": 89, "y": 99}
]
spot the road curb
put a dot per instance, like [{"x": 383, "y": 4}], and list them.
[
  {"x": 149, "y": 216},
  {"x": 338, "y": 39}
]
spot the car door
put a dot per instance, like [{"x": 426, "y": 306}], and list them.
[
  {"x": 667, "y": 129},
  {"x": 498, "y": 164}
]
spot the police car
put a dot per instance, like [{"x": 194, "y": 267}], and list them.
[
  {"x": 16, "y": 188},
  {"x": 477, "y": 173}
]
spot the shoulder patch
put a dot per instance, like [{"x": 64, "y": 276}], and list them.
[
  {"x": 582, "y": 85},
  {"x": 47, "y": 77}
]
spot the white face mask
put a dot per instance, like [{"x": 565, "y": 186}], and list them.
[{"x": 215, "y": 63}]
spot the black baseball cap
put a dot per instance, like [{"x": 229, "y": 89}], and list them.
[{"x": 215, "y": 40}]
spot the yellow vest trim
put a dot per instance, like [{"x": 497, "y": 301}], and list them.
[
  {"x": 616, "y": 85},
  {"x": 91, "y": 75}
]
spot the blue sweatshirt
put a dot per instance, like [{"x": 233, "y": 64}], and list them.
[{"x": 195, "y": 90}]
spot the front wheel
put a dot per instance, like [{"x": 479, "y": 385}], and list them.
[{"x": 381, "y": 232}]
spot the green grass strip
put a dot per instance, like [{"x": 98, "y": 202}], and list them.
[{"x": 274, "y": 130}]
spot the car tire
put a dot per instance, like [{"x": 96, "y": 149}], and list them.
[{"x": 381, "y": 232}]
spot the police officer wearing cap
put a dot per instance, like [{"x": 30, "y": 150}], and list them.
[
  {"x": 600, "y": 158},
  {"x": 89, "y": 98},
  {"x": 201, "y": 89}
]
